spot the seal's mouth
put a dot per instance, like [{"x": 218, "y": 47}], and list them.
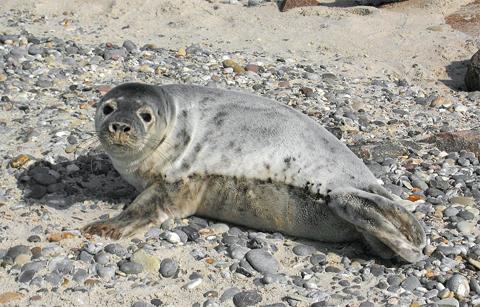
[{"x": 119, "y": 143}]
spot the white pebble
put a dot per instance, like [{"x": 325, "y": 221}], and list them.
[
  {"x": 171, "y": 237},
  {"x": 193, "y": 283}
]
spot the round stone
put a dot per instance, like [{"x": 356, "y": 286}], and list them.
[
  {"x": 106, "y": 272},
  {"x": 262, "y": 261},
  {"x": 168, "y": 268},
  {"x": 247, "y": 298},
  {"x": 303, "y": 250},
  {"x": 411, "y": 283},
  {"x": 101, "y": 257},
  {"x": 465, "y": 227},
  {"x": 149, "y": 262},
  {"x": 459, "y": 285}
]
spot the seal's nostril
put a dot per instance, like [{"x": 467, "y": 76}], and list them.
[
  {"x": 119, "y": 127},
  {"x": 113, "y": 127}
]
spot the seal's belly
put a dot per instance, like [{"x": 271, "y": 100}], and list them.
[{"x": 272, "y": 206}]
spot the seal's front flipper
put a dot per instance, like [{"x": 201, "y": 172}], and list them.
[
  {"x": 152, "y": 207},
  {"x": 384, "y": 223}
]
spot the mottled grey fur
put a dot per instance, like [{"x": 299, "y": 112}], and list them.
[{"x": 247, "y": 160}]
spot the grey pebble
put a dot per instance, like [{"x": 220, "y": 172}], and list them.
[
  {"x": 129, "y": 46},
  {"x": 448, "y": 302},
  {"x": 168, "y": 267},
  {"x": 247, "y": 298},
  {"x": 101, "y": 257},
  {"x": 237, "y": 252},
  {"x": 116, "y": 249},
  {"x": 53, "y": 278},
  {"x": 303, "y": 250},
  {"x": 34, "y": 265},
  {"x": 34, "y": 238},
  {"x": 318, "y": 259},
  {"x": 228, "y": 294},
  {"x": 141, "y": 304},
  {"x": 262, "y": 261},
  {"x": 26, "y": 276},
  {"x": 85, "y": 257},
  {"x": 80, "y": 275},
  {"x": 62, "y": 266},
  {"x": 15, "y": 251},
  {"x": 459, "y": 285},
  {"x": 131, "y": 268},
  {"x": 210, "y": 303},
  {"x": 106, "y": 272},
  {"x": 411, "y": 283}
]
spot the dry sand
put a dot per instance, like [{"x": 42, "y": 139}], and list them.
[{"x": 409, "y": 39}]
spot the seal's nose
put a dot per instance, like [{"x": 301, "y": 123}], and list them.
[{"x": 119, "y": 127}]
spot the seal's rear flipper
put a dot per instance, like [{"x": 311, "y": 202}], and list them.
[{"x": 382, "y": 221}]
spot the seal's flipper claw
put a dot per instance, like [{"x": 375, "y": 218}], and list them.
[{"x": 381, "y": 220}]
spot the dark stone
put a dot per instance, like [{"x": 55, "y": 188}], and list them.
[
  {"x": 472, "y": 77},
  {"x": 457, "y": 141},
  {"x": 168, "y": 267},
  {"x": 26, "y": 276},
  {"x": 247, "y": 298},
  {"x": 290, "y": 4}
]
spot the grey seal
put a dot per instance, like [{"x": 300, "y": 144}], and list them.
[{"x": 247, "y": 160}]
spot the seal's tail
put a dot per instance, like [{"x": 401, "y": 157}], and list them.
[{"x": 388, "y": 228}]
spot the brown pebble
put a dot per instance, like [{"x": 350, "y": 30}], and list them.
[
  {"x": 252, "y": 67},
  {"x": 307, "y": 91},
  {"x": 19, "y": 161},
  {"x": 35, "y": 298},
  {"x": 284, "y": 84},
  {"x": 36, "y": 251}
]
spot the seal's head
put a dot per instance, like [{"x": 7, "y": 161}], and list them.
[{"x": 132, "y": 120}]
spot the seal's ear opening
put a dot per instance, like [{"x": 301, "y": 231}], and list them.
[{"x": 386, "y": 226}]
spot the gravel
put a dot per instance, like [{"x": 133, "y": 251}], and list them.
[{"x": 54, "y": 177}]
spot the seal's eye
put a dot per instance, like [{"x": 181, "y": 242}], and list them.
[
  {"x": 147, "y": 117},
  {"x": 107, "y": 109}
]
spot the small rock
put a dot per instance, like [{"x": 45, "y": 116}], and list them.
[
  {"x": 448, "y": 302},
  {"x": 303, "y": 250},
  {"x": 465, "y": 227},
  {"x": 129, "y": 46},
  {"x": 26, "y": 276},
  {"x": 228, "y": 294},
  {"x": 168, "y": 268},
  {"x": 192, "y": 284},
  {"x": 262, "y": 261},
  {"x": 171, "y": 237},
  {"x": 472, "y": 77},
  {"x": 150, "y": 263},
  {"x": 411, "y": 283},
  {"x": 459, "y": 285},
  {"x": 131, "y": 268},
  {"x": 247, "y": 298},
  {"x": 116, "y": 249}
]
